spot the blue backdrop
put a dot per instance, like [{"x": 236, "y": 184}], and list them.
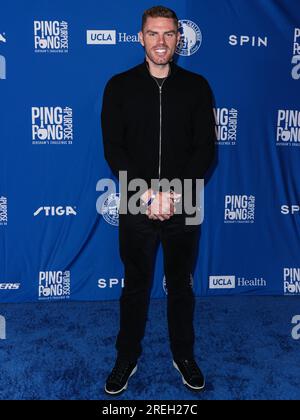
[{"x": 55, "y": 58}]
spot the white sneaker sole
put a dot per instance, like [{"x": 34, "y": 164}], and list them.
[
  {"x": 124, "y": 387},
  {"x": 197, "y": 388}
]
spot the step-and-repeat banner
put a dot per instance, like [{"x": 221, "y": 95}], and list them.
[{"x": 55, "y": 58}]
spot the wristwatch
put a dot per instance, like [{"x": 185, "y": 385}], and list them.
[{"x": 147, "y": 203}]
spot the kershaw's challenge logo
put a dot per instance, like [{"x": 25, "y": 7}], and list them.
[
  {"x": 291, "y": 281},
  {"x": 50, "y": 36},
  {"x": 288, "y": 128},
  {"x": 226, "y": 125},
  {"x": 52, "y": 125},
  {"x": 3, "y": 211},
  {"x": 54, "y": 285},
  {"x": 239, "y": 209}
]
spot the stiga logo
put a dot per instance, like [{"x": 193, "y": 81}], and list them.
[
  {"x": 50, "y": 36},
  {"x": 288, "y": 128},
  {"x": 190, "y": 38},
  {"x": 296, "y": 55},
  {"x": 55, "y": 211},
  {"x": 54, "y": 285},
  {"x": 226, "y": 125},
  {"x": 291, "y": 281},
  {"x": 52, "y": 125},
  {"x": 3, "y": 211},
  {"x": 239, "y": 209}
]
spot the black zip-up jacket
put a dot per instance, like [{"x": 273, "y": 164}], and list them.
[{"x": 158, "y": 134}]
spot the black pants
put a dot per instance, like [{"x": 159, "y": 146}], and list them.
[{"x": 138, "y": 241}]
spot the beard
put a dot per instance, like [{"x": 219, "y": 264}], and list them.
[{"x": 159, "y": 59}]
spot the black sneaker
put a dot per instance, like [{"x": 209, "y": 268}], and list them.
[
  {"x": 118, "y": 378},
  {"x": 191, "y": 374}
]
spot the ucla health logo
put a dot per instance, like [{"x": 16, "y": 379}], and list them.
[
  {"x": 109, "y": 37},
  {"x": 239, "y": 209},
  {"x": 3, "y": 211},
  {"x": 102, "y": 37},
  {"x": 190, "y": 38},
  {"x": 296, "y": 55},
  {"x": 2, "y": 59},
  {"x": 50, "y": 36},
  {"x": 54, "y": 285},
  {"x": 232, "y": 282},
  {"x": 288, "y": 128},
  {"x": 110, "y": 209},
  {"x": 52, "y": 125},
  {"x": 291, "y": 281},
  {"x": 226, "y": 126}
]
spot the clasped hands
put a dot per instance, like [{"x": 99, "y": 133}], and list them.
[{"x": 162, "y": 207}]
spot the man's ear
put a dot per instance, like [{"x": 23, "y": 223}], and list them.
[
  {"x": 178, "y": 38},
  {"x": 141, "y": 38}
]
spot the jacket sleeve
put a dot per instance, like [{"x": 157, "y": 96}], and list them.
[
  {"x": 203, "y": 141},
  {"x": 113, "y": 132}
]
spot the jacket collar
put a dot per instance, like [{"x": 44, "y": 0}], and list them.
[{"x": 144, "y": 68}]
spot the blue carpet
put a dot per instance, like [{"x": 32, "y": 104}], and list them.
[{"x": 65, "y": 350}]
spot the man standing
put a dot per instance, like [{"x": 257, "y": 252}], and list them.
[{"x": 157, "y": 124}]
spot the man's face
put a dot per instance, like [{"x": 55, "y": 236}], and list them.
[{"x": 159, "y": 38}]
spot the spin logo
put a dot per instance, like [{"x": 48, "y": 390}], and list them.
[
  {"x": 291, "y": 281},
  {"x": 239, "y": 209},
  {"x": 3, "y": 211},
  {"x": 296, "y": 55},
  {"x": 52, "y": 125},
  {"x": 226, "y": 125},
  {"x": 50, "y": 36},
  {"x": 54, "y": 285}
]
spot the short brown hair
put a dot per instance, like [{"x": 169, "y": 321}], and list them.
[{"x": 159, "y": 11}]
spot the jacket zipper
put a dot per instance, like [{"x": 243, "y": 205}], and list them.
[{"x": 160, "y": 126}]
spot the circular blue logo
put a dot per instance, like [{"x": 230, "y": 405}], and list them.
[
  {"x": 110, "y": 209},
  {"x": 190, "y": 38}
]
